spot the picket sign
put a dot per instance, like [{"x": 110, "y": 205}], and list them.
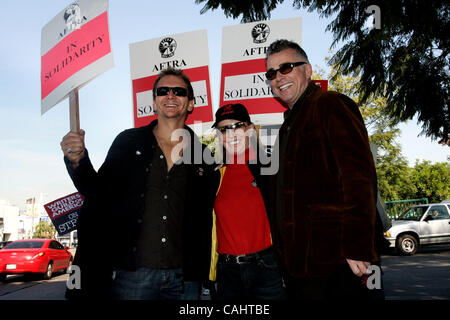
[{"x": 75, "y": 48}]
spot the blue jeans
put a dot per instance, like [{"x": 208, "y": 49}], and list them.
[
  {"x": 259, "y": 280},
  {"x": 148, "y": 284},
  {"x": 191, "y": 290}
]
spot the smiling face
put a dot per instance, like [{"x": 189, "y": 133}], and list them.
[
  {"x": 235, "y": 141},
  {"x": 172, "y": 106},
  {"x": 289, "y": 87}
]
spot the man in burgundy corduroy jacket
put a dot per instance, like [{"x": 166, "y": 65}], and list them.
[{"x": 324, "y": 213}]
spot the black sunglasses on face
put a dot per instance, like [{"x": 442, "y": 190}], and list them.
[
  {"x": 178, "y": 91},
  {"x": 233, "y": 127},
  {"x": 284, "y": 68}
]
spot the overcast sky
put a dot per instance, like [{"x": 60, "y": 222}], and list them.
[{"x": 31, "y": 161}]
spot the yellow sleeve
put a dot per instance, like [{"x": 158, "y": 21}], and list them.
[{"x": 214, "y": 243}]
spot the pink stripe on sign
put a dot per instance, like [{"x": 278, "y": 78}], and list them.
[{"x": 73, "y": 53}]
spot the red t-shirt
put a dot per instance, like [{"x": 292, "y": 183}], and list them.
[{"x": 241, "y": 219}]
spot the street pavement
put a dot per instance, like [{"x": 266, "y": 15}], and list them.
[
  {"x": 423, "y": 276},
  {"x": 18, "y": 287}
]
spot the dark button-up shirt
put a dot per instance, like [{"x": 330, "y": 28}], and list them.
[{"x": 160, "y": 245}]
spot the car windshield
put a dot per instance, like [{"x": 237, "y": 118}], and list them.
[{"x": 25, "y": 245}]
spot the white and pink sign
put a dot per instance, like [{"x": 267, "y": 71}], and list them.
[
  {"x": 243, "y": 78},
  {"x": 187, "y": 51},
  {"x": 75, "y": 48}
]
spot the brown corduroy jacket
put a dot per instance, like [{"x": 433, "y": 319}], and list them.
[{"x": 325, "y": 188}]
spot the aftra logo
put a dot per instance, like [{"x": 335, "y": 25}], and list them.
[
  {"x": 72, "y": 19},
  {"x": 260, "y": 32},
  {"x": 167, "y": 47}
]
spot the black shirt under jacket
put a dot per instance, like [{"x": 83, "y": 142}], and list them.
[{"x": 160, "y": 246}]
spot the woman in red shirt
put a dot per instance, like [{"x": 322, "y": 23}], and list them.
[{"x": 243, "y": 262}]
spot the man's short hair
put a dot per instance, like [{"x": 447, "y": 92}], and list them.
[
  {"x": 283, "y": 44},
  {"x": 178, "y": 73}
]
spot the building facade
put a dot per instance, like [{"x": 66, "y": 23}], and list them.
[{"x": 9, "y": 221}]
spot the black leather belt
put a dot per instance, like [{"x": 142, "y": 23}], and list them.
[{"x": 245, "y": 258}]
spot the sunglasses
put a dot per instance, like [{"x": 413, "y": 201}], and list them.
[
  {"x": 178, "y": 91},
  {"x": 284, "y": 68},
  {"x": 233, "y": 127}
]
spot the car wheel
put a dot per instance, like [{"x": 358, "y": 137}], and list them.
[
  {"x": 48, "y": 274},
  {"x": 2, "y": 277},
  {"x": 407, "y": 245}
]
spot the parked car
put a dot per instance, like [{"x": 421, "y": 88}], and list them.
[
  {"x": 4, "y": 243},
  {"x": 38, "y": 256},
  {"x": 420, "y": 225}
]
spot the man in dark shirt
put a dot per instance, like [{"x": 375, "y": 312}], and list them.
[{"x": 150, "y": 198}]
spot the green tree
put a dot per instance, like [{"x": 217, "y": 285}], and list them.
[
  {"x": 394, "y": 174},
  {"x": 374, "y": 109},
  {"x": 431, "y": 180},
  {"x": 406, "y": 60},
  {"x": 44, "y": 230}
]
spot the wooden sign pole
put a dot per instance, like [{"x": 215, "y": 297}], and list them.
[{"x": 74, "y": 111}]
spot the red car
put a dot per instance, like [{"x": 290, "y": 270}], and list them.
[{"x": 42, "y": 256}]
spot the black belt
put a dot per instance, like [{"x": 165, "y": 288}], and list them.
[{"x": 245, "y": 258}]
